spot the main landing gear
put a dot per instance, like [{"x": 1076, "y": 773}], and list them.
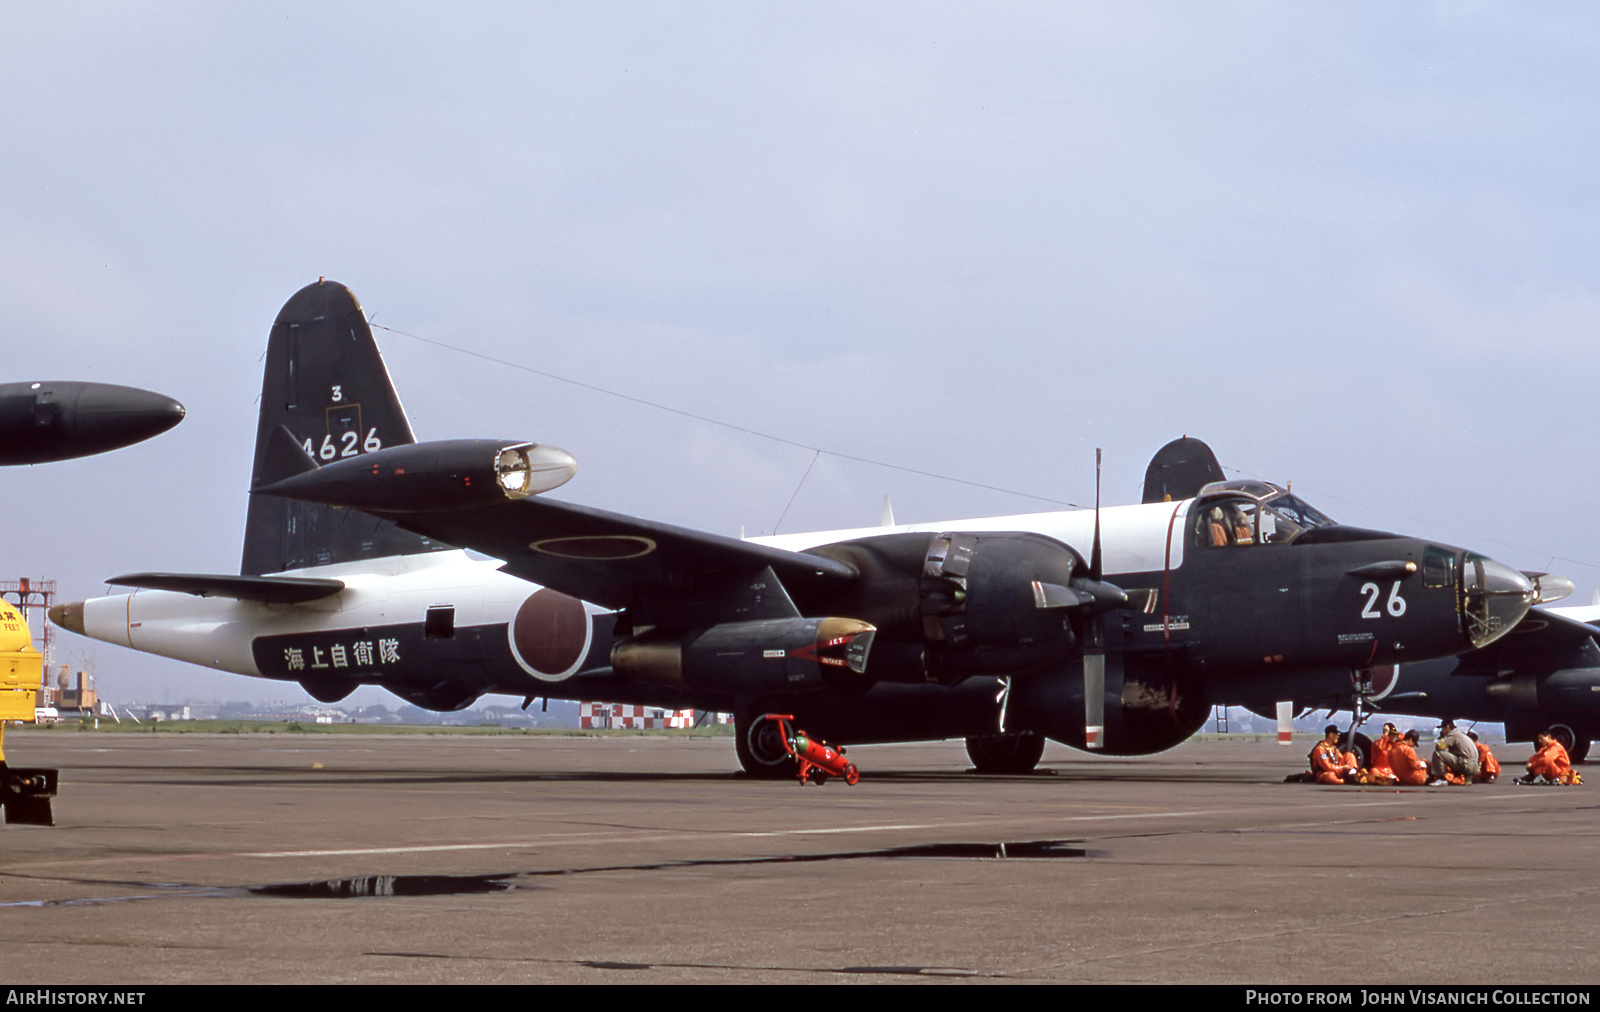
[{"x": 1005, "y": 753}]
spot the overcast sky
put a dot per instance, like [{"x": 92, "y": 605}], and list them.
[{"x": 1352, "y": 245}]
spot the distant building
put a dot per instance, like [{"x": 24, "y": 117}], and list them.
[{"x": 622, "y": 715}]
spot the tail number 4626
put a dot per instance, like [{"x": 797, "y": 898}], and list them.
[
  {"x": 345, "y": 446},
  {"x": 1395, "y": 605}
]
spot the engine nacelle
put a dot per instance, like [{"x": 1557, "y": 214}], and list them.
[
  {"x": 788, "y": 655},
  {"x": 953, "y": 605}
]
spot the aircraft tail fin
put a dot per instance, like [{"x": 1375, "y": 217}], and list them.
[
  {"x": 326, "y": 396},
  {"x": 1179, "y": 470}
]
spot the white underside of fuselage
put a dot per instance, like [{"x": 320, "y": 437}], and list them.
[{"x": 217, "y": 632}]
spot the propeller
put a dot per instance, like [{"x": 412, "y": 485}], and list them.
[
  {"x": 1091, "y": 593},
  {"x": 1094, "y": 646}
]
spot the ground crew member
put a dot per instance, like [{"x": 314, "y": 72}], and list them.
[
  {"x": 1488, "y": 765},
  {"x": 1455, "y": 757},
  {"x": 1331, "y": 765},
  {"x": 1408, "y": 769},
  {"x": 1379, "y": 770},
  {"x": 1550, "y": 762}
]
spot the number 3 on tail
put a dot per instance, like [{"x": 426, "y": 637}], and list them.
[{"x": 1395, "y": 605}]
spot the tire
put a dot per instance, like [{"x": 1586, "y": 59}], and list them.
[
  {"x": 1575, "y": 742},
  {"x": 1006, "y": 753},
  {"x": 1363, "y": 749},
  {"x": 759, "y": 745}
]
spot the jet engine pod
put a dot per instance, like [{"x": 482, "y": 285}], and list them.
[
  {"x": 425, "y": 477},
  {"x": 786, "y": 655}
]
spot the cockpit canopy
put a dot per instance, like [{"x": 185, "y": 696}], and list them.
[{"x": 1247, "y": 511}]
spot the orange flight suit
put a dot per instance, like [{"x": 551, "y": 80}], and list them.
[
  {"x": 1488, "y": 765},
  {"x": 1379, "y": 753},
  {"x": 1380, "y": 772},
  {"x": 1550, "y": 762},
  {"x": 1331, "y": 765},
  {"x": 1413, "y": 772}
]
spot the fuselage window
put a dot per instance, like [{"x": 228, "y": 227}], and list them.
[{"x": 1438, "y": 568}]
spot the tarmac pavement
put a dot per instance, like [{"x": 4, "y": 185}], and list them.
[{"x": 650, "y": 860}]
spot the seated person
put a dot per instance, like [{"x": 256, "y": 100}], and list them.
[
  {"x": 1331, "y": 765},
  {"x": 1488, "y": 765},
  {"x": 1380, "y": 771},
  {"x": 1550, "y": 761},
  {"x": 1408, "y": 769}
]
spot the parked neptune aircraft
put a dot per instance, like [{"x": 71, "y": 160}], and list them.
[
  {"x": 1542, "y": 676},
  {"x": 1103, "y": 628}
]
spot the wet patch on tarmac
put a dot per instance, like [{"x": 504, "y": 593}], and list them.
[
  {"x": 380, "y": 886},
  {"x": 613, "y": 964},
  {"x": 390, "y": 885}
]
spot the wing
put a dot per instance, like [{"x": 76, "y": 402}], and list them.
[{"x": 615, "y": 560}]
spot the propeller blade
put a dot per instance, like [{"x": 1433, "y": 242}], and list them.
[
  {"x": 1094, "y": 554},
  {"x": 1285, "y": 715},
  {"x": 1094, "y": 700},
  {"x": 1003, "y": 698}
]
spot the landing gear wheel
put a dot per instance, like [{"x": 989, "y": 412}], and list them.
[
  {"x": 1363, "y": 749},
  {"x": 759, "y": 745},
  {"x": 1577, "y": 745},
  {"x": 1006, "y": 753}
]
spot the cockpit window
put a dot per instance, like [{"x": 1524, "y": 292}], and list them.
[
  {"x": 1221, "y": 524},
  {"x": 1300, "y": 512},
  {"x": 1234, "y": 522}
]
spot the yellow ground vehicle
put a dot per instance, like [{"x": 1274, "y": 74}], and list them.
[{"x": 24, "y": 793}]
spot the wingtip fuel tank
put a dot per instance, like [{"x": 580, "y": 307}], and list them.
[
  {"x": 424, "y": 477},
  {"x": 58, "y": 420}
]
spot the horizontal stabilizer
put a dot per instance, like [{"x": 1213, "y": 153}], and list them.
[{"x": 266, "y": 589}]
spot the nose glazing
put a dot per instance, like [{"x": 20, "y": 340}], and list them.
[{"x": 1496, "y": 597}]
